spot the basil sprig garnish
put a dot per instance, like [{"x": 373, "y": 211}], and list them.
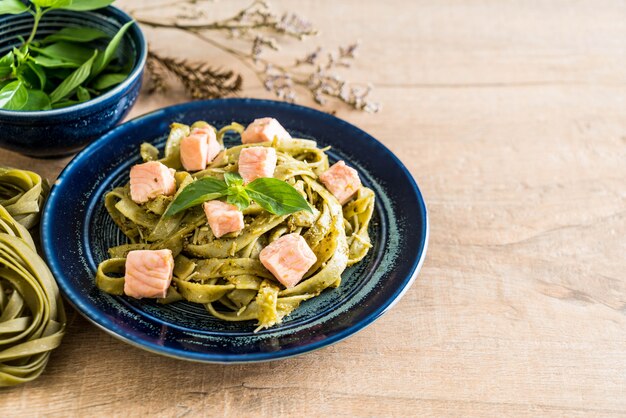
[{"x": 273, "y": 195}]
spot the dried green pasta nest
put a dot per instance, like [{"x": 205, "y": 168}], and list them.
[
  {"x": 22, "y": 194},
  {"x": 225, "y": 274},
  {"x": 32, "y": 318}
]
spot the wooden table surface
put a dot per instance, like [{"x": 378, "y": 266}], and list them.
[{"x": 512, "y": 118}]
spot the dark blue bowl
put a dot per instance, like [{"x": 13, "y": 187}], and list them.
[
  {"x": 53, "y": 133},
  {"x": 76, "y": 232}
]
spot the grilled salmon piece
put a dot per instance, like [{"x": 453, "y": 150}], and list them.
[
  {"x": 199, "y": 149},
  {"x": 214, "y": 147},
  {"x": 193, "y": 152},
  {"x": 262, "y": 130},
  {"x": 223, "y": 217},
  {"x": 288, "y": 259},
  {"x": 342, "y": 181},
  {"x": 202, "y": 131},
  {"x": 148, "y": 273},
  {"x": 151, "y": 179},
  {"x": 257, "y": 162}
]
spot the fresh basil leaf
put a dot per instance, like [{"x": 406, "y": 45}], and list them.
[
  {"x": 112, "y": 68},
  {"x": 276, "y": 196},
  {"x": 64, "y": 103},
  {"x": 37, "y": 100},
  {"x": 13, "y": 96},
  {"x": 39, "y": 72},
  {"x": 53, "y": 62},
  {"x": 236, "y": 194},
  {"x": 21, "y": 53},
  {"x": 12, "y": 7},
  {"x": 28, "y": 77},
  {"x": 6, "y": 64},
  {"x": 66, "y": 51},
  {"x": 58, "y": 74},
  {"x": 239, "y": 198},
  {"x": 75, "y": 79},
  {"x": 32, "y": 75},
  {"x": 201, "y": 190},
  {"x": 82, "y": 94},
  {"x": 105, "y": 58},
  {"x": 105, "y": 81},
  {"x": 83, "y": 5},
  {"x": 233, "y": 179},
  {"x": 55, "y": 4},
  {"x": 75, "y": 35}
]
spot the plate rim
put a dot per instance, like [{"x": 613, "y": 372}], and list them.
[{"x": 93, "y": 315}]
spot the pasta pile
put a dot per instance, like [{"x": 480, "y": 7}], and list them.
[
  {"x": 32, "y": 318},
  {"x": 225, "y": 274}
]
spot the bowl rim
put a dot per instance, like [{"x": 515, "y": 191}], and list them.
[{"x": 137, "y": 70}]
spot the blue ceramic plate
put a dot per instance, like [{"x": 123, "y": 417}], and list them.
[{"x": 77, "y": 231}]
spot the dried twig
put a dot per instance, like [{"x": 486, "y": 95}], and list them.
[
  {"x": 262, "y": 29},
  {"x": 199, "y": 80}
]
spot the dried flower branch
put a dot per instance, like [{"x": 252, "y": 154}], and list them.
[
  {"x": 263, "y": 30},
  {"x": 199, "y": 80},
  {"x": 258, "y": 44}
]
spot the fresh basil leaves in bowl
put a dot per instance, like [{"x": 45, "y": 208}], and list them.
[{"x": 70, "y": 70}]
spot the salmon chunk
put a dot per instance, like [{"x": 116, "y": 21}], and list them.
[
  {"x": 202, "y": 131},
  {"x": 148, "y": 273},
  {"x": 342, "y": 181},
  {"x": 214, "y": 147},
  {"x": 223, "y": 217},
  {"x": 199, "y": 149},
  {"x": 193, "y": 152},
  {"x": 257, "y": 162},
  {"x": 151, "y": 179},
  {"x": 264, "y": 129},
  {"x": 288, "y": 259}
]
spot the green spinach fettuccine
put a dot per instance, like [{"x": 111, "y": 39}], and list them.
[
  {"x": 225, "y": 274},
  {"x": 32, "y": 318}
]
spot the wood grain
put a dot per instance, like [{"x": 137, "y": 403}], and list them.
[{"x": 513, "y": 123}]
